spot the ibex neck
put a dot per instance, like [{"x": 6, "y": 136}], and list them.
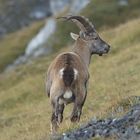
[{"x": 82, "y": 50}]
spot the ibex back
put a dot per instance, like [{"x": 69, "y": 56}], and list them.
[{"x": 68, "y": 74}]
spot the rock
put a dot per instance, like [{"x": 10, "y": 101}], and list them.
[
  {"x": 17, "y": 14},
  {"x": 73, "y": 6},
  {"x": 124, "y": 128},
  {"x": 137, "y": 130}
]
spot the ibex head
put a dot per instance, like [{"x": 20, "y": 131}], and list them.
[{"x": 89, "y": 35}]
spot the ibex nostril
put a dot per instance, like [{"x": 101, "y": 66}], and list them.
[{"x": 107, "y": 48}]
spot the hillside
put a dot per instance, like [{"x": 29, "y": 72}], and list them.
[
  {"x": 104, "y": 14},
  {"x": 114, "y": 83},
  {"x": 13, "y": 45},
  {"x": 126, "y": 127},
  {"x": 15, "y": 15},
  {"x": 25, "y": 109}
]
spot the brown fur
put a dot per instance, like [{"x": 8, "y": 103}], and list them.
[
  {"x": 68, "y": 75},
  {"x": 56, "y": 86}
]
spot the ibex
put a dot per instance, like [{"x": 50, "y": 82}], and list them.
[{"x": 68, "y": 74}]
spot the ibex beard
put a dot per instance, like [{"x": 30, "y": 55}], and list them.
[{"x": 68, "y": 74}]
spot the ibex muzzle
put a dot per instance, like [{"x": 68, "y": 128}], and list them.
[
  {"x": 98, "y": 46},
  {"x": 68, "y": 74}
]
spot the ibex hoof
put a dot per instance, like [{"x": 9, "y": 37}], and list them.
[
  {"x": 75, "y": 118},
  {"x": 54, "y": 128}
]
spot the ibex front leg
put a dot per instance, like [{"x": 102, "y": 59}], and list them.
[{"x": 78, "y": 104}]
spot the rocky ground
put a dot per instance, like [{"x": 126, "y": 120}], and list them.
[{"x": 124, "y": 128}]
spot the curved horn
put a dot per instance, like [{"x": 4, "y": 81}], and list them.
[{"x": 81, "y": 22}]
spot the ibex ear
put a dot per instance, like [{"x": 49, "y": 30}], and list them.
[{"x": 74, "y": 36}]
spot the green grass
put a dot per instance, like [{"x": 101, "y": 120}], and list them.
[
  {"x": 25, "y": 109},
  {"x": 109, "y": 13},
  {"x": 14, "y": 44},
  {"x": 104, "y": 14}
]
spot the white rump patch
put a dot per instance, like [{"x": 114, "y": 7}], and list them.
[
  {"x": 75, "y": 74},
  {"x": 68, "y": 94},
  {"x": 61, "y": 73},
  {"x": 61, "y": 101}
]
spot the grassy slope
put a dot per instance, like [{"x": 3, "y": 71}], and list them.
[
  {"x": 104, "y": 14},
  {"x": 14, "y": 44},
  {"x": 25, "y": 110}
]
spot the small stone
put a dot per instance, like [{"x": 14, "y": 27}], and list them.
[
  {"x": 137, "y": 130},
  {"x": 93, "y": 134},
  {"x": 108, "y": 121},
  {"x": 85, "y": 131},
  {"x": 106, "y": 132},
  {"x": 66, "y": 138},
  {"x": 114, "y": 120},
  {"x": 99, "y": 132}
]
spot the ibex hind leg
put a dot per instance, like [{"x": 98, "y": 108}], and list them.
[
  {"x": 57, "y": 115},
  {"x": 54, "y": 125},
  {"x": 60, "y": 112},
  {"x": 79, "y": 102}
]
